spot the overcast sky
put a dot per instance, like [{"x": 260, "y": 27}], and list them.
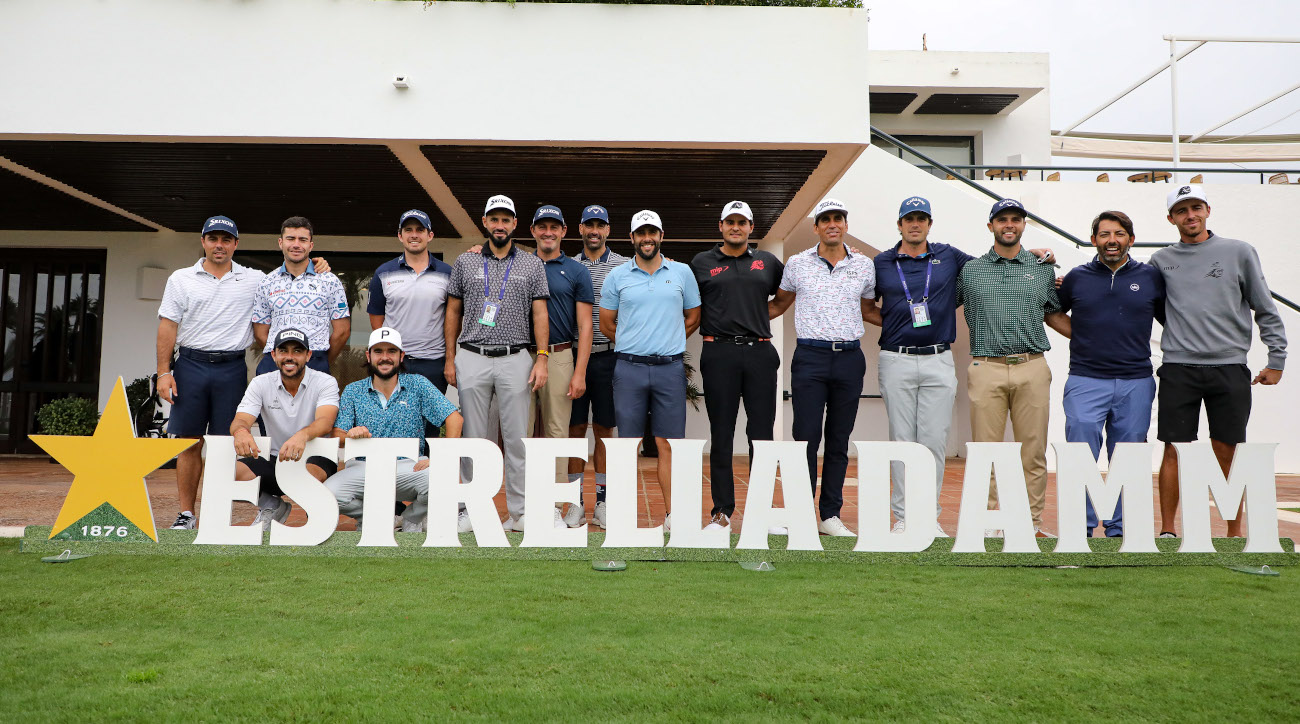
[{"x": 1100, "y": 47}]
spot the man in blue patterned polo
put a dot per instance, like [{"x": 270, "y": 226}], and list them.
[{"x": 390, "y": 403}]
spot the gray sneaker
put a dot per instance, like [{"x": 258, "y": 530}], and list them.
[
  {"x": 185, "y": 521},
  {"x": 573, "y": 517},
  {"x": 598, "y": 515}
]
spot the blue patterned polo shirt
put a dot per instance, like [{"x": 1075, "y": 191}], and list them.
[{"x": 414, "y": 400}]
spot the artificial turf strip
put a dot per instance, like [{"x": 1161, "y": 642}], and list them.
[
  {"x": 148, "y": 638},
  {"x": 343, "y": 544}
]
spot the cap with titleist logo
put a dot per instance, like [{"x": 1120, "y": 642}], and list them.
[
  {"x": 385, "y": 334},
  {"x": 548, "y": 212},
  {"x": 737, "y": 207},
  {"x": 500, "y": 201},
  {"x": 594, "y": 212},
  {"x": 646, "y": 217},
  {"x": 827, "y": 206},
  {"x": 1004, "y": 205},
  {"x": 416, "y": 214},
  {"x": 289, "y": 334},
  {"x": 220, "y": 223},
  {"x": 1183, "y": 193},
  {"x": 914, "y": 204}
]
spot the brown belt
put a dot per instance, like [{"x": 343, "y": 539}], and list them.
[
  {"x": 1012, "y": 359},
  {"x": 560, "y": 347}
]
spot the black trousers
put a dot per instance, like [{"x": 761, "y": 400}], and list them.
[
  {"x": 733, "y": 372},
  {"x": 826, "y": 383}
]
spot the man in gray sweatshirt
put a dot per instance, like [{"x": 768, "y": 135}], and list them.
[{"x": 1212, "y": 283}]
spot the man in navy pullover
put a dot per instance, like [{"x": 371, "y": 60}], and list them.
[{"x": 1112, "y": 301}]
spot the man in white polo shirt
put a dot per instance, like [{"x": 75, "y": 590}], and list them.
[{"x": 297, "y": 404}]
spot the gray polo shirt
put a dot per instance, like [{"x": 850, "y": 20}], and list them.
[
  {"x": 413, "y": 304},
  {"x": 514, "y": 316},
  {"x": 285, "y": 414}
]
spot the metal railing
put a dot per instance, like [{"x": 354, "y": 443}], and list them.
[{"x": 1153, "y": 170}]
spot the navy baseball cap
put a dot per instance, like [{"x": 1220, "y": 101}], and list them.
[
  {"x": 548, "y": 212},
  {"x": 594, "y": 212},
  {"x": 915, "y": 203},
  {"x": 1005, "y": 204},
  {"x": 289, "y": 334},
  {"x": 220, "y": 223},
  {"x": 416, "y": 214}
]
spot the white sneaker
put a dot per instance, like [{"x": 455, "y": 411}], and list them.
[
  {"x": 939, "y": 532},
  {"x": 573, "y": 517},
  {"x": 899, "y": 527},
  {"x": 263, "y": 518},
  {"x": 778, "y": 530},
  {"x": 510, "y": 524},
  {"x": 719, "y": 521},
  {"x": 834, "y": 526},
  {"x": 187, "y": 521},
  {"x": 667, "y": 522},
  {"x": 598, "y": 515},
  {"x": 413, "y": 527},
  {"x": 992, "y": 533},
  {"x": 398, "y": 522},
  {"x": 559, "y": 519},
  {"x": 1040, "y": 533},
  {"x": 1167, "y": 534},
  {"x": 463, "y": 524},
  {"x": 279, "y": 513}
]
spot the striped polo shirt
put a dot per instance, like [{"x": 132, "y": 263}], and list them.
[
  {"x": 600, "y": 269},
  {"x": 211, "y": 314},
  {"x": 310, "y": 302},
  {"x": 413, "y": 304},
  {"x": 1005, "y": 300},
  {"x": 826, "y": 304}
]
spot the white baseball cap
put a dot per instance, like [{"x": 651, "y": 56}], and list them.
[
  {"x": 500, "y": 201},
  {"x": 646, "y": 217},
  {"x": 737, "y": 207},
  {"x": 829, "y": 205},
  {"x": 1182, "y": 193},
  {"x": 385, "y": 334}
]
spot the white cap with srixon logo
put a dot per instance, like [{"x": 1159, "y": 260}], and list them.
[
  {"x": 500, "y": 201},
  {"x": 646, "y": 217},
  {"x": 1184, "y": 192},
  {"x": 385, "y": 334},
  {"x": 737, "y": 207},
  {"x": 828, "y": 205}
]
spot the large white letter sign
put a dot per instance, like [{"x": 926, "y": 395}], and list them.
[
  {"x": 310, "y": 494},
  {"x": 798, "y": 514},
  {"x": 621, "y": 499},
  {"x": 221, "y": 490},
  {"x": 446, "y": 492},
  {"x": 380, "y": 491},
  {"x": 1077, "y": 478},
  {"x": 688, "y": 497},
  {"x": 1002, "y": 461},
  {"x": 541, "y": 492},
  {"x": 919, "y": 496},
  {"x": 1251, "y": 475}
]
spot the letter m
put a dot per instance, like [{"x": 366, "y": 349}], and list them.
[
  {"x": 1251, "y": 477},
  {"x": 1077, "y": 479}
]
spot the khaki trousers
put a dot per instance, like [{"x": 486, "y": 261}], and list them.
[
  {"x": 997, "y": 389},
  {"x": 555, "y": 405}
]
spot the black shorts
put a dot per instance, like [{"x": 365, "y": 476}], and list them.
[
  {"x": 598, "y": 402},
  {"x": 1225, "y": 390},
  {"x": 265, "y": 469}
]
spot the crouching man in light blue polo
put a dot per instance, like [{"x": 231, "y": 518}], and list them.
[{"x": 648, "y": 307}]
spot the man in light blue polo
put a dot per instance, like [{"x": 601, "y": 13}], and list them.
[{"x": 648, "y": 307}]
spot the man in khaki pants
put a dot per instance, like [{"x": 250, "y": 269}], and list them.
[
  {"x": 569, "y": 314},
  {"x": 1007, "y": 296}
]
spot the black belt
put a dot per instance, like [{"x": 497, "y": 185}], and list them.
[
  {"x": 844, "y": 346},
  {"x": 735, "y": 340},
  {"x": 498, "y": 350},
  {"x": 927, "y": 349},
  {"x": 205, "y": 356},
  {"x": 650, "y": 360}
]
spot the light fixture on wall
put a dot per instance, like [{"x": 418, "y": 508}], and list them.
[{"x": 402, "y": 81}]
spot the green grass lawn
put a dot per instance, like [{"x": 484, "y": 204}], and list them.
[{"x": 309, "y": 639}]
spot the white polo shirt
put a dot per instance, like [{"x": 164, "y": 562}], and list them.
[
  {"x": 826, "y": 305},
  {"x": 285, "y": 414},
  {"x": 213, "y": 314}
]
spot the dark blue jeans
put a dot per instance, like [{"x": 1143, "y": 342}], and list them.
[
  {"x": 825, "y": 386},
  {"x": 1120, "y": 408}
]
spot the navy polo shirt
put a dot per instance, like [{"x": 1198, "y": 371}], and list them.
[
  {"x": 570, "y": 283},
  {"x": 1110, "y": 318},
  {"x": 945, "y": 263}
]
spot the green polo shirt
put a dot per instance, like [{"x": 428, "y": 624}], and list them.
[{"x": 1005, "y": 300}]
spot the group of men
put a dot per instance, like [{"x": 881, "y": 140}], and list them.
[{"x": 544, "y": 340}]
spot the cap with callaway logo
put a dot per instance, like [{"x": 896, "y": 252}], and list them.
[
  {"x": 416, "y": 214},
  {"x": 737, "y": 207},
  {"x": 646, "y": 217},
  {"x": 828, "y": 205},
  {"x": 1183, "y": 193},
  {"x": 220, "y": 223},
  {"x": 1005, "y": 204},
  {"x": 289, "y": 334},
  {"x": 385, "y": 334},
  {"x": 594, "y": 212},
  {"x": 500, "y": 201},
  {"x": 548, "y": 212},
  {"x": 913, "y": 204}
]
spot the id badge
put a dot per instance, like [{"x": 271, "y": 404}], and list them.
[
  {"x": 489, "y": 318},
  {"x": 920, "y": 314}
]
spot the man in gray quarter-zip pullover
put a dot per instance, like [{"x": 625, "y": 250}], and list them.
[{"x": 1212, "y": 283}]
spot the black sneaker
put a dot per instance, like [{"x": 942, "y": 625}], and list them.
[{"x": 185, "y": 521}]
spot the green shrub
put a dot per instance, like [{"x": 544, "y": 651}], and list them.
[
  {"x": 137, "y": 392},
  {"x": 68, "y": 416}
]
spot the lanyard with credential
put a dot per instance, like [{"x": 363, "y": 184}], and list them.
[
  {"x": 920, "y": 310},
  {"x": 487, "y": 282}
]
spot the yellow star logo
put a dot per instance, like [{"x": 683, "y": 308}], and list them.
[{"x": 109, "y": 467}]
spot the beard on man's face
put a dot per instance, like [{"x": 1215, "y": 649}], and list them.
[{"x": 390, "y": 373}]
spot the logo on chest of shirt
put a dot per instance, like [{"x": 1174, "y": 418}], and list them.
[
  {"x": 756, "y": 264},
  {"x": 1134, "y": 287},
  {"x": 1215, "y": 271},
  {"x": 717, "y": 270}
]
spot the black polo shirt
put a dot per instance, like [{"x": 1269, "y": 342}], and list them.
[{"x": 734, "y": 291}]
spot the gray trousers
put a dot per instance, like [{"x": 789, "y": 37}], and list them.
[
  {"x": 348, "y": 487},
  {"x": 479, "y": 381},
  {"x": 919, "y": 391}
]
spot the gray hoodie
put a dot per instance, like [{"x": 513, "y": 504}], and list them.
[{"x": 1211, "y": 287}]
